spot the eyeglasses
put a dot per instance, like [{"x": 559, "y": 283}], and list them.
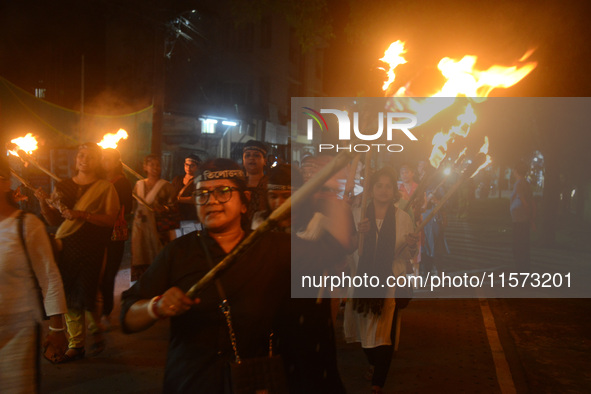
[{"x": 222, "y": 194}]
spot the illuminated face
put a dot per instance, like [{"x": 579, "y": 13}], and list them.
[
  {"x": 421, "y": 167},
  {"x": 383, "y": 190},
  {"x": 153, "y": 169},
  {"x": 277, "y": 197},
  {"x": 87, "y": 161},
  {"x": 190, "y": 167},
  {"x": 254, "y": 161},
  {"x": 406, "y": 174},
  {"x": 216, "y": 216}
]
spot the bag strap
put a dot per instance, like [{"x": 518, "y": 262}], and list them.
[
  {"x": 21, "y": 233},
  {"x": 224, "y": 305}
]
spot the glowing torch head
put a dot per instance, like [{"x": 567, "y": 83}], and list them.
[
  {"x": 111, "y": 140},
  {"x": 27, "y": 144}
]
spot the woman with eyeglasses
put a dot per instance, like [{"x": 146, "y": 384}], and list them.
[
  {"x": 200, "y": 348},
  {"x": 85, "y": 208}
]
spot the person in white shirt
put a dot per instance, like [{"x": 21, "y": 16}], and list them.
[{"x": 27, "y": 273}]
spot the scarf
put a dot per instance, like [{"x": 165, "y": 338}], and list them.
[
  {"x": 101, "y": 197},
  {"x": 379, "y": 249}
]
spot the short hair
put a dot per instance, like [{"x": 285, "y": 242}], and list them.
[
  {"x": 193, "y": 157},
  {"x": 256, "y": 145},
  {"x": 221, "y": 164},
  {"x": 285, "y": 175}
]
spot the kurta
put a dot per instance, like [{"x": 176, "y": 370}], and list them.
[
  {"x": 145, "y": 240},
  {"x": 84, "y": 244},
  {"x": 20, "y": 307},
  {"x": 372, "y": 330}
]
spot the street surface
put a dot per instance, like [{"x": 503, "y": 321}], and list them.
[{"x": 446, "y": 345}]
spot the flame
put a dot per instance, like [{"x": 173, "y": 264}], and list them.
[
  {"x": 442, "y": 139},
  {"x": 393, "y": 56},
  {"x": 463, "y": 78},
  {"x": 483, "y": 150},
  {"x": 28, "y": 143},
  {"x": 460, "y": 156},
  {"x": 110, "y": 140}
]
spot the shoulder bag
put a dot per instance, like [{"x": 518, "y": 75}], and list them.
[{"x": 258, "y": 375}]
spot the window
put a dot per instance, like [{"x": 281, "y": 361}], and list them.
[
  {"x": 208, "y": 126},
  {"x": 40, "y": 93}
]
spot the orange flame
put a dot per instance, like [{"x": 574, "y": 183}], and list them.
[
  {"x": 111, "y": 140},
  {"x": 28, "y": 143},
  {"x": 442, "y": 139},
  {"x": 462, "y": 79},
  {"x": 393, "y": 56}
]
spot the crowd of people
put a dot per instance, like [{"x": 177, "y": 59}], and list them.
[{"x": 179, "y": 231}]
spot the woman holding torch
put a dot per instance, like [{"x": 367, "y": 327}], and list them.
[
  {"x": 158, "y": 196},
  {"x": 85, "y": 208},
  {"x": 371, "y": 317},
  {"x": 255, "y": 287}
]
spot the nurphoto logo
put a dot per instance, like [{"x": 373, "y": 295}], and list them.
[{"x": 394, "y": 122}]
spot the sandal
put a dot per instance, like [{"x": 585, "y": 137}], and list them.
[
  {"x": 72, "y": 354},
  {"x": 98, "y": 346},
  {"x": 369, "y": 374},
  {"x": 376, "y": 390}
]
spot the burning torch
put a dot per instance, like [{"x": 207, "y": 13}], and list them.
[
  {"x": 22, "y": 147},
  {"x": 110, "y": 141}
]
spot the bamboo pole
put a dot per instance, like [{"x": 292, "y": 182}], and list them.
[
  {"x": 142, "y": 201},
  {"x": 364, "y": 198},
  {"x": 134, "y": 195},
  {"x": 298, "y": 198},
  {"x": 22, "y": 180},
  {"x": 350, "y": 184},
  {"x": 131, "y": 171},
  {"x": 27, "y": 158}
]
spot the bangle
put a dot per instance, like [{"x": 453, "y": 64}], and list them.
[
  {"x": 57, "y": 329},
  {"x": 152, "y": 308}
]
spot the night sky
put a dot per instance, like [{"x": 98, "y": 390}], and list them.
[{"x": 35, "y": 32}]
